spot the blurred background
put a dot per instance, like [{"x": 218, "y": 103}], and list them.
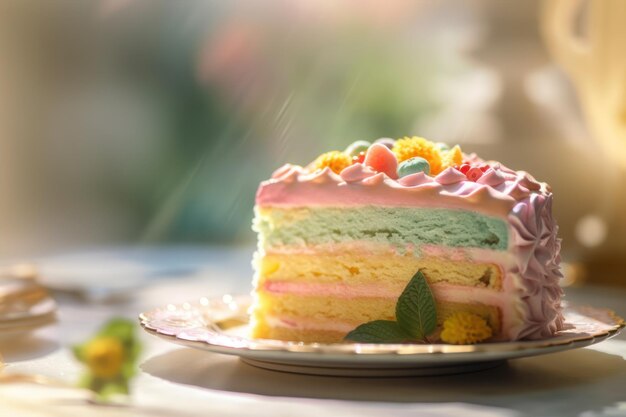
[{"x": 149, "y": 122}]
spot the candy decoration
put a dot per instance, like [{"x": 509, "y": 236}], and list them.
[
  {"x": 357, "y": 147},
  {"x": 388, "y": 142},
  {"x": 443, "y": 147},
  {"x": 473, "y": 174},
  {"x": 452, "y": 157},
  {"x": 413, "y": 166},
  {"x": 360, "y": 158},
  {"x": 381, "y": 159},
  {"x": 335, "y": 160},
  {"x": 464, "y": 168}
]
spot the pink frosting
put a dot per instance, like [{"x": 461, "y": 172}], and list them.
[
  {"x": 512, "y": 195},
  {"x": 293, "y": 186},
  {"x": 537, "y": 249}
]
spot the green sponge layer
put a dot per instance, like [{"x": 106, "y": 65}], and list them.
[{"x": 397, "y": 226}]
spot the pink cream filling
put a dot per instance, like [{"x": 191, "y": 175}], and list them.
[
  {"x": 309, "y": 324},
  {"x": 477, "y": 255},
  {"x": 444, "y": 292}
]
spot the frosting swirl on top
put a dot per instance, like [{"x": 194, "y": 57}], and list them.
[{"x": 495, "y": 193}]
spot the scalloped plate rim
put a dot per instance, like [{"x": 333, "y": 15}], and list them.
[{"x": 356, "y": 355}]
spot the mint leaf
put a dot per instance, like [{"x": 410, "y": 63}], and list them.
[
  {"x": 415, "y": 310},
  {"x": 378, "y": 331}
]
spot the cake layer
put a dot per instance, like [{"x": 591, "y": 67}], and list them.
[
  {"x": 355, "y": 268},
  {"x": 307, "y": 318},
  {"x": 358, "y": 310},
  {"x": 300, "y": 335},
  {"x": 399, "y": 226}
]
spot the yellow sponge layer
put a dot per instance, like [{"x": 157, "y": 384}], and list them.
[
  {"x": 349, "y": 312},
  {"x": 299, "y": 335},
  {"x": 356, "y": 310},
  {"x": 364, "y": 268}
]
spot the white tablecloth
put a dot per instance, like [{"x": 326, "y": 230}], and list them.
[{"x": 175, "y": 381}]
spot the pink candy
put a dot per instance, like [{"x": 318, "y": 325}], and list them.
[
  {"x": 381, "y": 159},
  {"x": 473, "y": 174}
]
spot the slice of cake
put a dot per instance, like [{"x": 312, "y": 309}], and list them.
[{"x": 340, "y": 239}]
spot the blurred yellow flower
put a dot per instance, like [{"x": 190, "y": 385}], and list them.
[
  {"x": 465, "y": 328},
  {"x": 104, "y": 357},
  {"x": 407, "y": 148},
  {"x": 337, "y": 161}
]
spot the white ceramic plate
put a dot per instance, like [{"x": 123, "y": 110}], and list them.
[
  {"x": 25, "y": 307},
  {"x": 221, "y": 326}
]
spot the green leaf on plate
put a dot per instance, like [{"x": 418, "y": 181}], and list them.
[
  {"x": 378, "y": 331},
  {"x": 416, "y": 311}
]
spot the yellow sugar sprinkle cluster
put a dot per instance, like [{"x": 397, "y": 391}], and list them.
[
  {"x": 337, "y": 161},
  {"x": 453, "y": 157},
  {"x": 465, "y": 328}
]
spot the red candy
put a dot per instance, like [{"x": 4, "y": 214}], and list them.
[
  {"x": 473, "y": 174},
  {"x": 464, "y": 168},
  {"x": 381, "y": 159},
  {"x": 360, "y": 158}
]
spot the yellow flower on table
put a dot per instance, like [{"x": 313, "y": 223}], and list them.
[
  {"x": 104, "y": 356},
  {"x": 110, "y": 358}
]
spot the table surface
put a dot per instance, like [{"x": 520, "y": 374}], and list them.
[{"x": 175, "y": 381}]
